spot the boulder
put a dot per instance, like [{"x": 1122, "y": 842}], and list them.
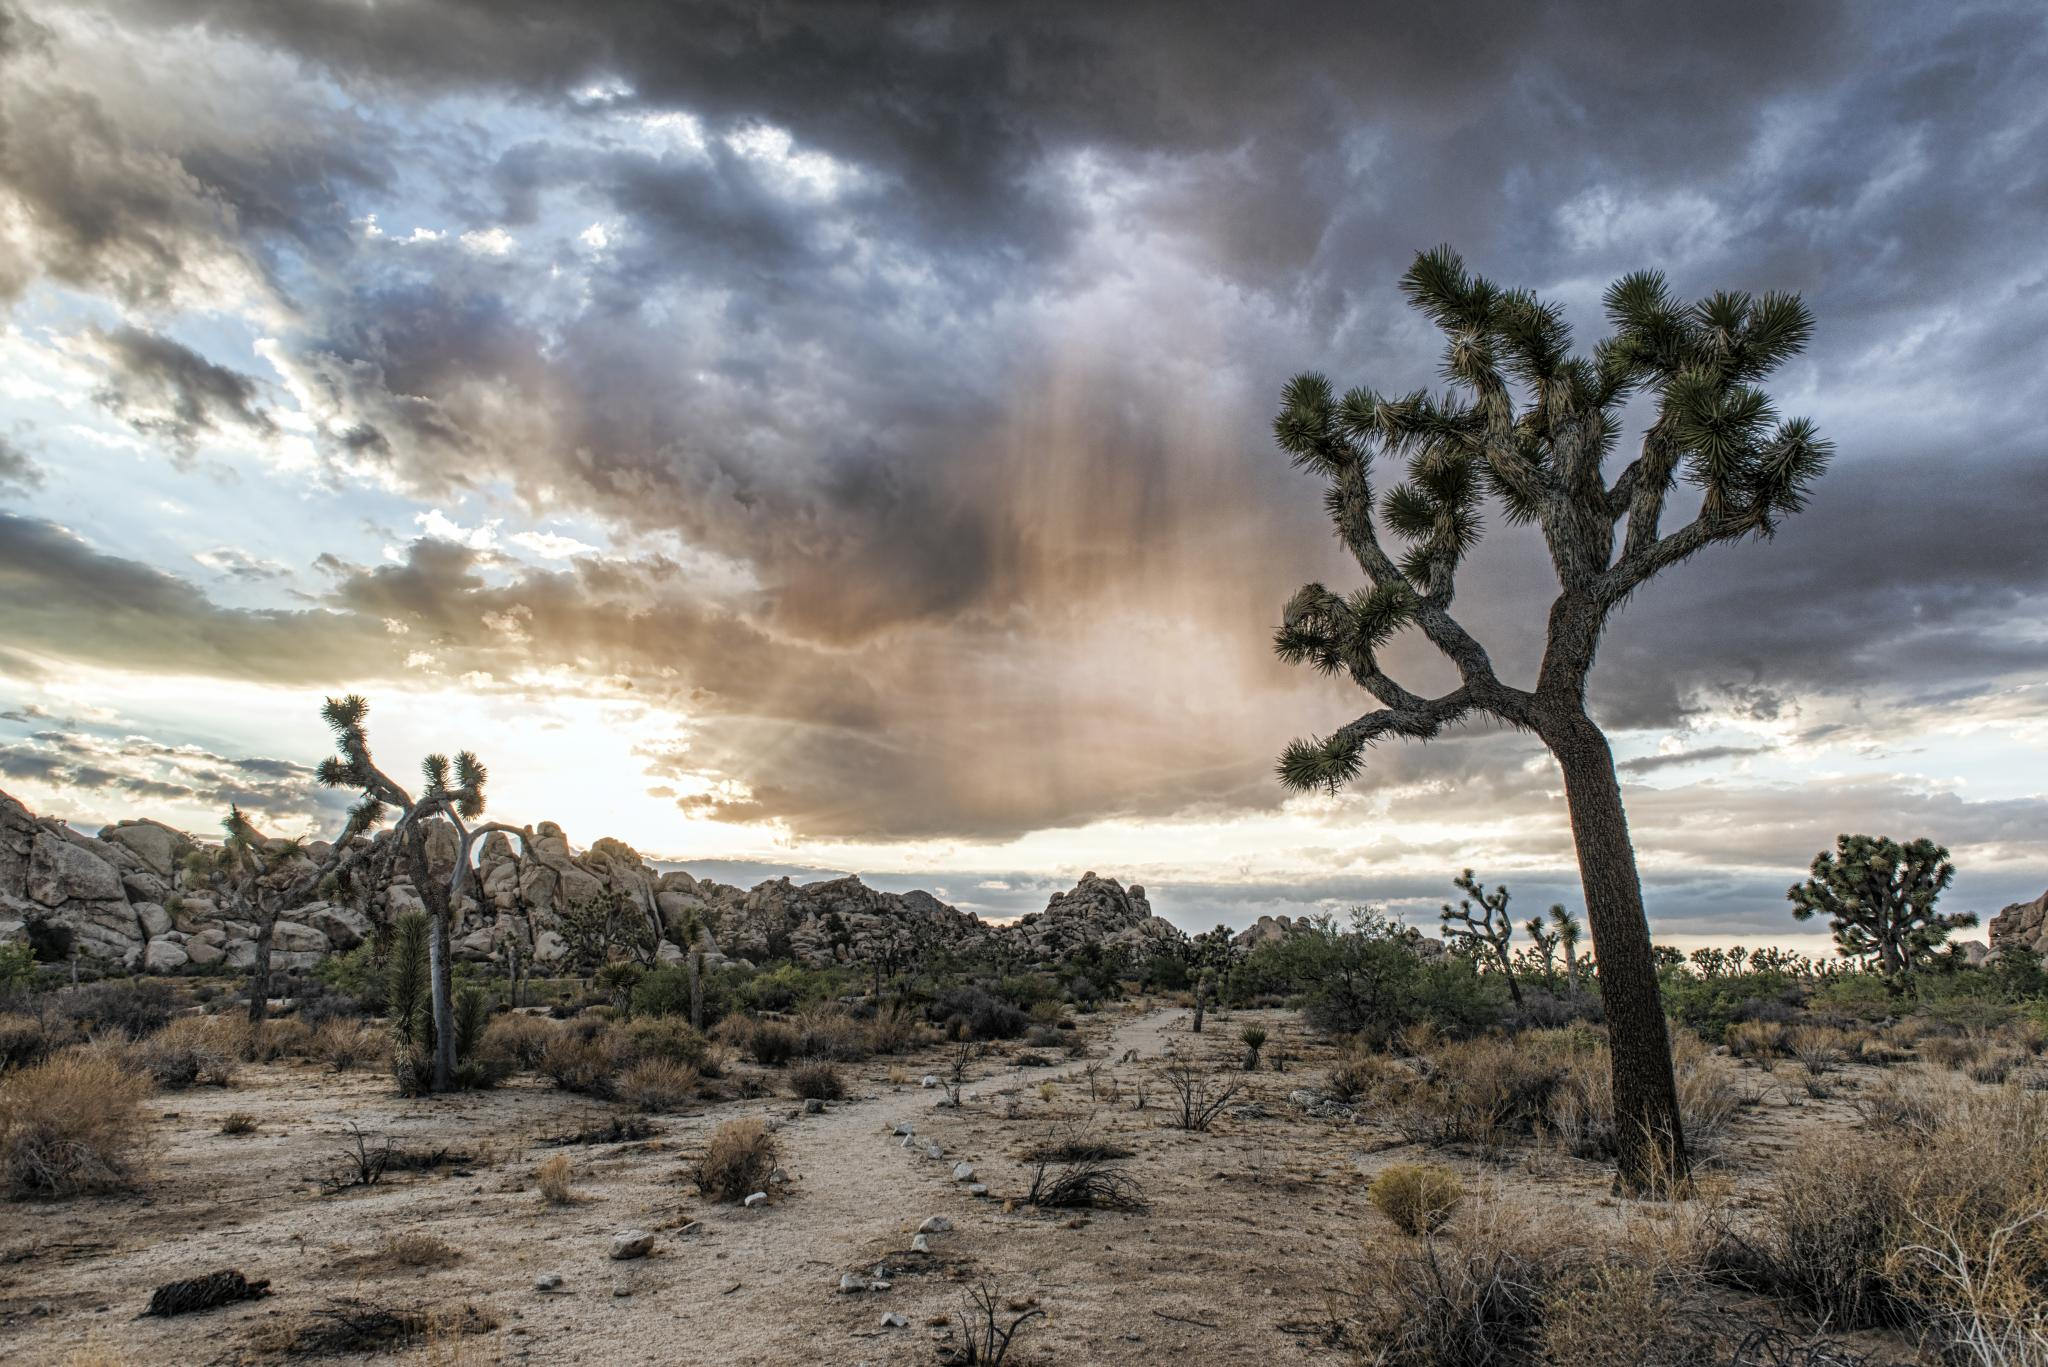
[
  {"x": 344, "y": 927},
  {"x": 163, "y": 956},
  {"x": 153, "y": 919},
  {"x": 60, "y": 871},
  {"x": 632, "y": 1243},
  {"x": 160, "y": 848},
  {"x": 2024, "y": 924}
]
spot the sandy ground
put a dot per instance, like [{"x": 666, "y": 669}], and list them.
[{"x": 1250, "y": 1228}]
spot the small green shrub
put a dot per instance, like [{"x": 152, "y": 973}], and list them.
[{"x": 1418, "y": 1197}]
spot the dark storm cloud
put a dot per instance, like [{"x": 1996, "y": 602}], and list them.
[
  {"x": 940, "y": 410},
  {"x": 18, "y": 471},
  {"x": 160, "y": 387},
  {"x": 1644, "y": 764}
]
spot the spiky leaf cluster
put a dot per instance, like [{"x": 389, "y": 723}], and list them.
[
  {"x": 1527, "y": 425},
  {"x": 1879, "y": 897}
]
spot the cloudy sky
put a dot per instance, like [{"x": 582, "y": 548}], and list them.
[{"x": 832, "y": 436}]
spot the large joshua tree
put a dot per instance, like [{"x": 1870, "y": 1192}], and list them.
[
  {"x": 1531, "y": 426},
  {"x": 458, "y": 798}
]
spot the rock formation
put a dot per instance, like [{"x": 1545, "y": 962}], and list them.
[
  {"x": 2023, "y": 923},
  {"x": 125, "y": 901}
]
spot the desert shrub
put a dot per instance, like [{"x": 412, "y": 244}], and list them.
[
  {"x": 1994, "y": 1067},
  {"x": 69, "y": 1124},
  {"x": 1819, "y": 1049},
  {"x": 1369, "y": 979},
  {"x": 1858, "y": 996},
  {"x": 133, "y": 1006},
  {"x": 1418, "y": 1197},
  {"x": 893, "y": 1031},
  {"x": 1708, "y": 1006},
  {"x": 553, "y": 1178},
  {"x": 238, "y": 1122},
  {"x": 23, "y": 1041},
  {"x": 816, "y": 1081},
  {"x": 971, "y": 1012},
  {"x": 737, "y": 1160},
  {"x": 1480, "y": 1091},
  {"x": 1581, "y": 1112},
  {"x": 771, "y": 1043},
  {"x": 518, "y": 1040},
  {"x": 417, "y": 1248},
  {"x": 1358, "y": 1073},
  {"x": 345, "y": 1042},
  {"x": 193, "y": 1050},
  {"x": 1042, "y": 1037},
  {"x": 666, "y": 1038},
  {"x": 717, "y": 1061},
  {"x": 276, "y": 1039},
  {"x": 1937, "y": 1219},
  {"x": 825, "y": 1032},
  {"x": 1758, "y": 1040},
  {"x": 579, "y": 1062},
  {"x": 1471, "y": 1296},
  {"x": 1616, "y": 1312},
  {"x": 1952, "y": 1051},
  {"x": 657, "y": 1084}
]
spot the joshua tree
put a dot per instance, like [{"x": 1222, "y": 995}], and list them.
[
  {"x": 1879, "y": 897},
  {"x": 1565, "y": 930},
  {"x": 1205, "y": 989},
  {"x": 1254, "y": 1037},
  {"x": 1485, "y": 930},
  {"x": 460, "y": 803},
  {"x": 254, "y": 878},
  {"x": 1545, "y": 941},
  {"x": 1531, "y": 425}
]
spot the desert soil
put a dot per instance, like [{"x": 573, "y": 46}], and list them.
[{"x": 1250, "y": 1232}]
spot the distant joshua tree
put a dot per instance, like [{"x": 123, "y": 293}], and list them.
[
  {"x": 1879, "y": 898},
  {"x": 460, "y": 803},
  {"x": 1565, "y": 930},
  {"x": 1531, "y": 425},
  {"x": 1484, "y": 929}
]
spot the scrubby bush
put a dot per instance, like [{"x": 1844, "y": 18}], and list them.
[
  {"x": 133, "y": 1006},
  {"x": 825, "y": 1032},
  {"x": 771, "y": 1043},
  {"x": 657, "y": 1084},
  {"x": 71, "y": 1123},
  {"x": 23, "y": 1040},
  {"x": 577, "y": 1061},
  {"x": 519, "y": 1040},
  {"x": 665, "y": 1038},
  {"x": 973, "y": 1013},
  {"x": 816, "y": 1082},
  {"x": 193, "y": 1050},
  {"x": 1369, "y": 978},
  {"x": 737, "y": 1161},
  {"x": 276, "y": 1039},
  {"x": 1418, "y": 1197},
  {"x": 554, "y": 1180},
  {"x": 344, "y": 1043},
  {"x": 893, "y": 1031}
]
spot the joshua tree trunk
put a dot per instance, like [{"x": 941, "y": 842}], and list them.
[
  {"x": 696, "y": 962},
  {"x": 1646, "y": 1120},
  {"x": 440, "y": 985}
]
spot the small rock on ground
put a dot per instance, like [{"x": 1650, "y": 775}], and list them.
[
  {"x": 632, "y": 1243},
  {"x": 963, "y": 1172},
  {"x": 547, "y": 1281},
  {"x": 756, "y": 1199},
  {"x": 893, "y": 1320},
  {"x": 936, "y": 1224}
]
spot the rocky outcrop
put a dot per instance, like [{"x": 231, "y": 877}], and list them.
[
  {"x": 1268, "y": 930},
  {"x": 2024, "y": 924},
  {"x": 125, "y": 900}
]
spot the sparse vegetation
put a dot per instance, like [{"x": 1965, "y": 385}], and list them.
[
  {"x": 816, "y": 1082},
  {"x": 553, "y": 1178},
  {"x": 71, "y": 1124},
  {"x": 1418, "y": 1197},
  {"x": 736, "y": 1161}
]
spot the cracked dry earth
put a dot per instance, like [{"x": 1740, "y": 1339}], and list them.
[{"x": 1250, "y": 1231}]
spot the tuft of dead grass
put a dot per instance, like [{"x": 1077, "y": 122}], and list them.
[
  {"x": 1419, "y": 1198},
  {"x": 72, "y": 1123},
  {"x": 737, "y": 1160},
  {"x": 554, "y": 1180},
  {"x": 656, "y": 1085}
]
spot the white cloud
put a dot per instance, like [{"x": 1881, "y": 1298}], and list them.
[
  {"x": 489, "y": 241},
  {"x": 441, "y": 527},
  {"x": 550, "y": 545},
  {"x": 596, "y": 237}
]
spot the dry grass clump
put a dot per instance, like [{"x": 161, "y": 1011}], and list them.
[
  {"x": 771, "y": 1043},
  {"x": 894, "y": 1031},
  {"x": 668, "y": 1038},
  {"x": 657, "y": 1084},
  {"x": 824, "y": 1032},
  {"x": 238, "y": 1122},
  {"x": 23, "y": 1041},
  {"x": 1581, "y": 1112},
  {"x": 580, "y": 1061},
  {"x": 1359, "y": 1073},
  {"x": 1418, "y": 1197},
  {"x": 1759, "y": 1042},
  {"x": 553, "y": 1178},
  {"x": 816, "y": 1082},
  {"x": 346, "y": 1043},
  {"x": 193, "y": 1050},
  {"x": 276, "y": 1039},
  {"x": 737, "y": 1161},
  {"x": 72, "y": 1123},
  {"x": 417, "y": 1248},
  {"x": 1820, "y": 1050},
  {"x": 1936, "y": 1218},
  {"x": 1952, "y": 1051},
  {"x": 518, "y": 1040}
]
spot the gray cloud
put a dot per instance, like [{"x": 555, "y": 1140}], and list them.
[
  {"x": 18, "y": 471},
  {"x": 163, "y": 388}
]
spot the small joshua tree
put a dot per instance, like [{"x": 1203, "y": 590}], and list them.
[
  {"x": 1205, "y": 990},
  {"x": 1530, "y": 425},
  {"x": 1545, "y": 941},
  {"x": 1879, "y": 898},
  {"x": 1566, "y": 929},
  {"x": 1254, "y": 1037},
  {"x": 1483, "y": 929},
  {"x": 460, "y": 800}
]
